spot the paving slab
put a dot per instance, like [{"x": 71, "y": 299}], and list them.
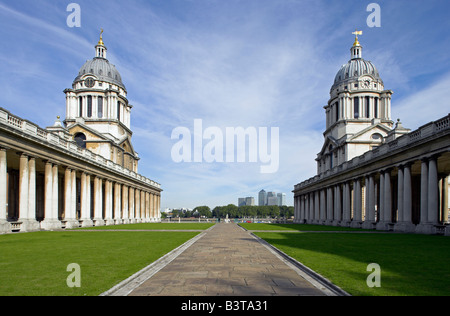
[{"x": 229, "y": 261}]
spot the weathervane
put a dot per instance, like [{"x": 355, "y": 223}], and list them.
[
  {"x": 100, "y": 42},
  {"x": 356, "y": 33}
]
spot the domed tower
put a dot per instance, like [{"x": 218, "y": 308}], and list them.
[
  {"x": 358, "y": 114},
  {"x": 98, "y": 112}
]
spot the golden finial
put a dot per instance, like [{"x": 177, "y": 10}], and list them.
[
  {"x": 356, "y": 33},
  {"x": 100, "y": 42}
]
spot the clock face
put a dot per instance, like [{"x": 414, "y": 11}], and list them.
[
  {"x": 89, "y": 82},
  {"x": 366, "y": 83}
]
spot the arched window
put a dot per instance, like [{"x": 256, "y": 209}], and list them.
[{"x": 80, "y": 139}]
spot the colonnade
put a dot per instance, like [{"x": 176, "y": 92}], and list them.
[
  {"x": 45, "y": 194},
  {"x": 411, "y": 196}
]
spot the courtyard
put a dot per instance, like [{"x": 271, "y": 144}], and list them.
[{"x": 35, "y": 264}]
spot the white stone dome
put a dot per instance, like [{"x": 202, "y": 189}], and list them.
[
  {"x": 354, "y": 69},
  {"x": 103, "y": 70}
]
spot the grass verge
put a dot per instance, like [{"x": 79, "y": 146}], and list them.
[
  {"x": 154, "y": 226},
  {"x": 295, "y": 227},
  {"x": 411, "y": 265},
  {"x": 35, "y": 264}
]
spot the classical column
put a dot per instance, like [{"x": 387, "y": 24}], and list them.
[
  {"x": 315, "y": 204},
  {"x": 424, "y": 192},
  {"x": 48, "y": 191},
  {"x": 433, "y": 192},
  {"x": 158, "y": 207},
  {"x": 4, "y": 227},
  {"x": 337, "y": 204},
  {"x": 381, "y": 224},
  {"x": 23, "y": 188},
  {"x": 32, "y": 190},
  {"x": 27, "y": 194},
  {"x": 69, "y": 199},
  {"x": 424, "y": 227},
  {"x": 387, "y": 197},
  {"x": 370, "y": 203},
  {"x": 143, "y": 217},
  {"x": 117, "y": 204},
  {"x": 407, "y": 194},
  {"x": 308, "y": 213},
  {"x": 137, "y": 205},
  {"x": 147, "y": 206},
  {"x": 55, "y": 195},
  {"x": 357, "y": 204},
  {"x": 346, "y": 199},
  {"x": 330, "y": 217},
  {"x": 445, "y": 199},
  {"x": 322, "y": 206},
  {"x": 125, "y": 216},
  {"x": 73, "y": 189},
  {"x": 108, "y": 203},
  {"x": 51, "y": 221},
  {"x": 400, "y": 192},
  {"x": 131, "y": 199},
  {"x": 98, "y": 202},
  {"x": 302, "y": 209},
  {"x": 405, "y": 220},
  {"x": 86, "y": 200},
  {"x": 152, "y": 207}
]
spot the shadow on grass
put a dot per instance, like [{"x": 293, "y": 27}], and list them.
[
  {"x": 415, "y": 265},
  {"x": 297, "y": 227}
]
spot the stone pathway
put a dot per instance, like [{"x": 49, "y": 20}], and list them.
[{"x": 229, "y": 261}]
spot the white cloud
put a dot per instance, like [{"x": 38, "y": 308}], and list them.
[
  {"x": 229, "y": 63},
  {"x": 426, "y": 105}
]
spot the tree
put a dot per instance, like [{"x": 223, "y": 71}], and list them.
[{"x": 202, "y": 211}]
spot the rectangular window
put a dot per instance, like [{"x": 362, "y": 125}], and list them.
[
  {"x": 89, "y": 106},
  {"x": 118, "y": 110},
  {"x": 376, "y": 108},
  {"x": 100, "y": 107},
  {"x": 337, "y": 111},
  {"x": 80, "y": 110},
  {"x": 368, "y": 107},
  {"x": 356, "y": 107}
]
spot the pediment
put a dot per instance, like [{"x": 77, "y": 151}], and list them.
[
  {"x": 127, "y": 146},
  {"x": 91, "y": 133},
  {"x": 366, "y": 134},
  {"x": 329, "y": 140}
]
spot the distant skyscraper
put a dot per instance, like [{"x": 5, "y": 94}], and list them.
[
  {"x": 250, "y": 201},
  {"x": 262, "y": 198},
  {"x": 281, "y": 198},
  {"x": 272, "y": 198}
]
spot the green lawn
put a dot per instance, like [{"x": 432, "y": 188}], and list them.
[
  {"x": 35, "y": 264},
  {"x": 411, "y": 265},
  {"x": 154, "y": 226},
  {"x": 295, "y": 227}
]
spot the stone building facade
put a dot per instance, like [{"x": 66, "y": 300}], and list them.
[
  {"x": 79, "y": 174},
  {"x": 371, "y": 173}
]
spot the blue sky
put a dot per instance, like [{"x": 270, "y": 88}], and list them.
[{"x": 249, "y": 63}]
